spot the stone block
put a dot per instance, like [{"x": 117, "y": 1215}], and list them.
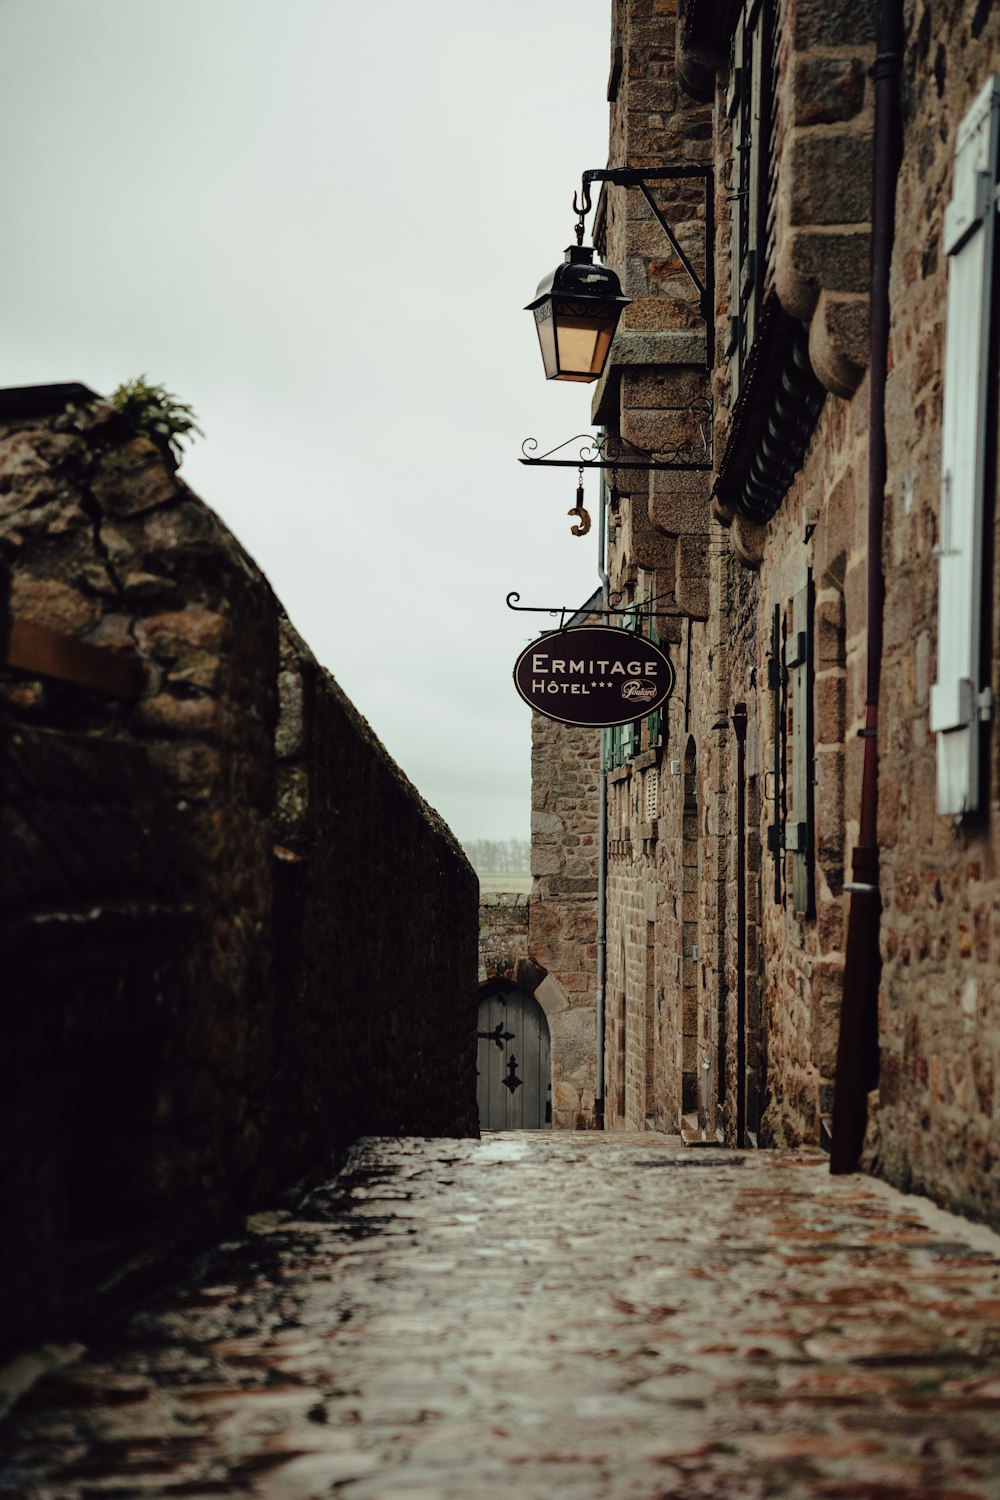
[
  {"x": 289, "y": 737},
  {"x": 826, "y": 89},
  {"x": 573, "y": 1041},
  {"x": 649, "y": 347},
  {"x": 830, "y": 23},
  {"x": 645, "y": 546},
  {"x": 195, "y": 626},
  {"x": 828, "y": 700},
  {"x": 838, "y": 341},
  {"x": 749, "y": 541},
  {"x": 546, "y": 861},
  {"x": 55, "y": 605},
  {"x": 830, "y": 926},
  {"x": 133, "y": 479},
  {"x": 814, "y": 259},
  {"x": 666, "y": 430},
  {"x": 829, "y": 642},
  {"x": 679, "y": 502},
  {"x": 829, "y": 808},
  {"x": 551, "y": 996},
  {"x": 546, "y": 822},
  {"x": 825, "y": 179},
  {"x": 655, "y": 388}
]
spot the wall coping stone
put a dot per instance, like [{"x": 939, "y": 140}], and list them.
[{"x": 22, "y": 401}]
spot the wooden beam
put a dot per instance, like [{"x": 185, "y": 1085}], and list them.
[{"x": 40, "y": 652}]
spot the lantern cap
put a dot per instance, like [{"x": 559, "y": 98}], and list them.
[{"x": 577, "y": 276}]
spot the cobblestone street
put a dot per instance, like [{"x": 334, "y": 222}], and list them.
[{"x": 572, "y": 1315}]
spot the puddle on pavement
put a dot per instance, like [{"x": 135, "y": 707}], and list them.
[{"x": 501, "y": 1150}]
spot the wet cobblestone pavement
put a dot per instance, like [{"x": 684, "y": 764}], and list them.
[{"x": 576, "y": 1316}]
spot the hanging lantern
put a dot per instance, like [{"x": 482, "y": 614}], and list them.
[{"x": 576, "y": 308}]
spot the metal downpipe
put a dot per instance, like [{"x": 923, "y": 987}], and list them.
[
  {"x": 602, "y": 851},
  {"x": 858, "y": 1048}
]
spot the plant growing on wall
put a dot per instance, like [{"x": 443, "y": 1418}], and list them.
[{"x": 152, "y": 411}]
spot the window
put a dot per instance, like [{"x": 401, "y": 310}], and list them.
[
  {"x": 623, "y": 741},
  {"x": 750, "y": 105},
  {"x": 959, "y": 699},
  {"x": 790, "y": 679}
]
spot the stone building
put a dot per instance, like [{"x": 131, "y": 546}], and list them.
[
  {"x": 536, "y": 954},
  {"x": 821, "y": 568},
  {"x": 561, "y": 935}
]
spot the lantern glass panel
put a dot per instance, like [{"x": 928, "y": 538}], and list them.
[
  {"x": 546, "y": 330},
  {"x": 583, "y": 344}
]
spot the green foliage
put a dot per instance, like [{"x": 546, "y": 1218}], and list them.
[{"x": 153, "y": 412}]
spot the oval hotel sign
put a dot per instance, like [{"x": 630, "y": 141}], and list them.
[{"x": 596, "y": 675}]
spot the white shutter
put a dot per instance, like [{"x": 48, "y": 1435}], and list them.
[{"x": 957, "y": 702}]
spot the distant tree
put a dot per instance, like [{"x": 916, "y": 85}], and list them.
[{"x": 499, "y": 856}]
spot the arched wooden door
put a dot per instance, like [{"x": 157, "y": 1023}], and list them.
[{"x": 514, "y": 1090}]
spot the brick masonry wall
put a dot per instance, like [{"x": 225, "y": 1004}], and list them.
[
  {"x": 233, "y": 935},
  {"x": 800, "y": 966},
  {"x": 562, "y": 935},
  {"x": 794, "y": 960},
  {"x": 934, "y": 1118},
  {"x": 936, "y": 1128},
  {"x": 663, "y": 866},
  {"x": 718, "y": 580}
]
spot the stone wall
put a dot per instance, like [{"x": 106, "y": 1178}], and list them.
[
  {"x": 233, "y": 936},
  {"x": 666, "y": 858},
  {"x": 744, "y": 1034},
  {"x": 936, "y": 1128},
  {"x": 562, "y": 938},
  {"x": 503, "y": 936}
]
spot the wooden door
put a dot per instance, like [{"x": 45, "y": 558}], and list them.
[{"x": 514, "y": 1090}]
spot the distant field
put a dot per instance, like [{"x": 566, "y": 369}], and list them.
[{"x": 490, "y": 884}]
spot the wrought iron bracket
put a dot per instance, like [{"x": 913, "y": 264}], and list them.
[
  {"x": 607, "y": 452},
  {"x": 641, "y": 177},
  {"x": 639, "y": 612}
]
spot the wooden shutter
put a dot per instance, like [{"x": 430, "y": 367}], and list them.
[
  {"x": 750, "y": 104},
  {"x": 654, "y": 721},
  {"x": 799, "y": 827},
  {"x": 631, "y": 619},
  {"x": 958, "y": 702},
  {"x": 776, "y": 685},
  {"x": 735, "y": 108},
  {"x": 630, "y": 740}
]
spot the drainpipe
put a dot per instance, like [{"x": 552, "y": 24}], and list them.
[
  {"x": 858, "y": 1049},
  {"x": 602, "y": 849}
]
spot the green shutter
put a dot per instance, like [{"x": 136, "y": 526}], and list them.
[
  {"x": 799, "y": 827},
  {"x": 630, "y": 740},
  {"x": 654, "y": 721}
]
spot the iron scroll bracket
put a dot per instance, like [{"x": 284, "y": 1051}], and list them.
[
  {"x": 638, "y": 612},
  {"x": 605, "y": 451},
  {"x": 642, "y": 177}
]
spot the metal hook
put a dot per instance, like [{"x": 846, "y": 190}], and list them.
[
  {"x": 581, "y": 212},
  {"x": 578, "y": 509}
]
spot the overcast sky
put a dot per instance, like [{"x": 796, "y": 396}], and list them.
[{"x": 318, "y": 223}]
